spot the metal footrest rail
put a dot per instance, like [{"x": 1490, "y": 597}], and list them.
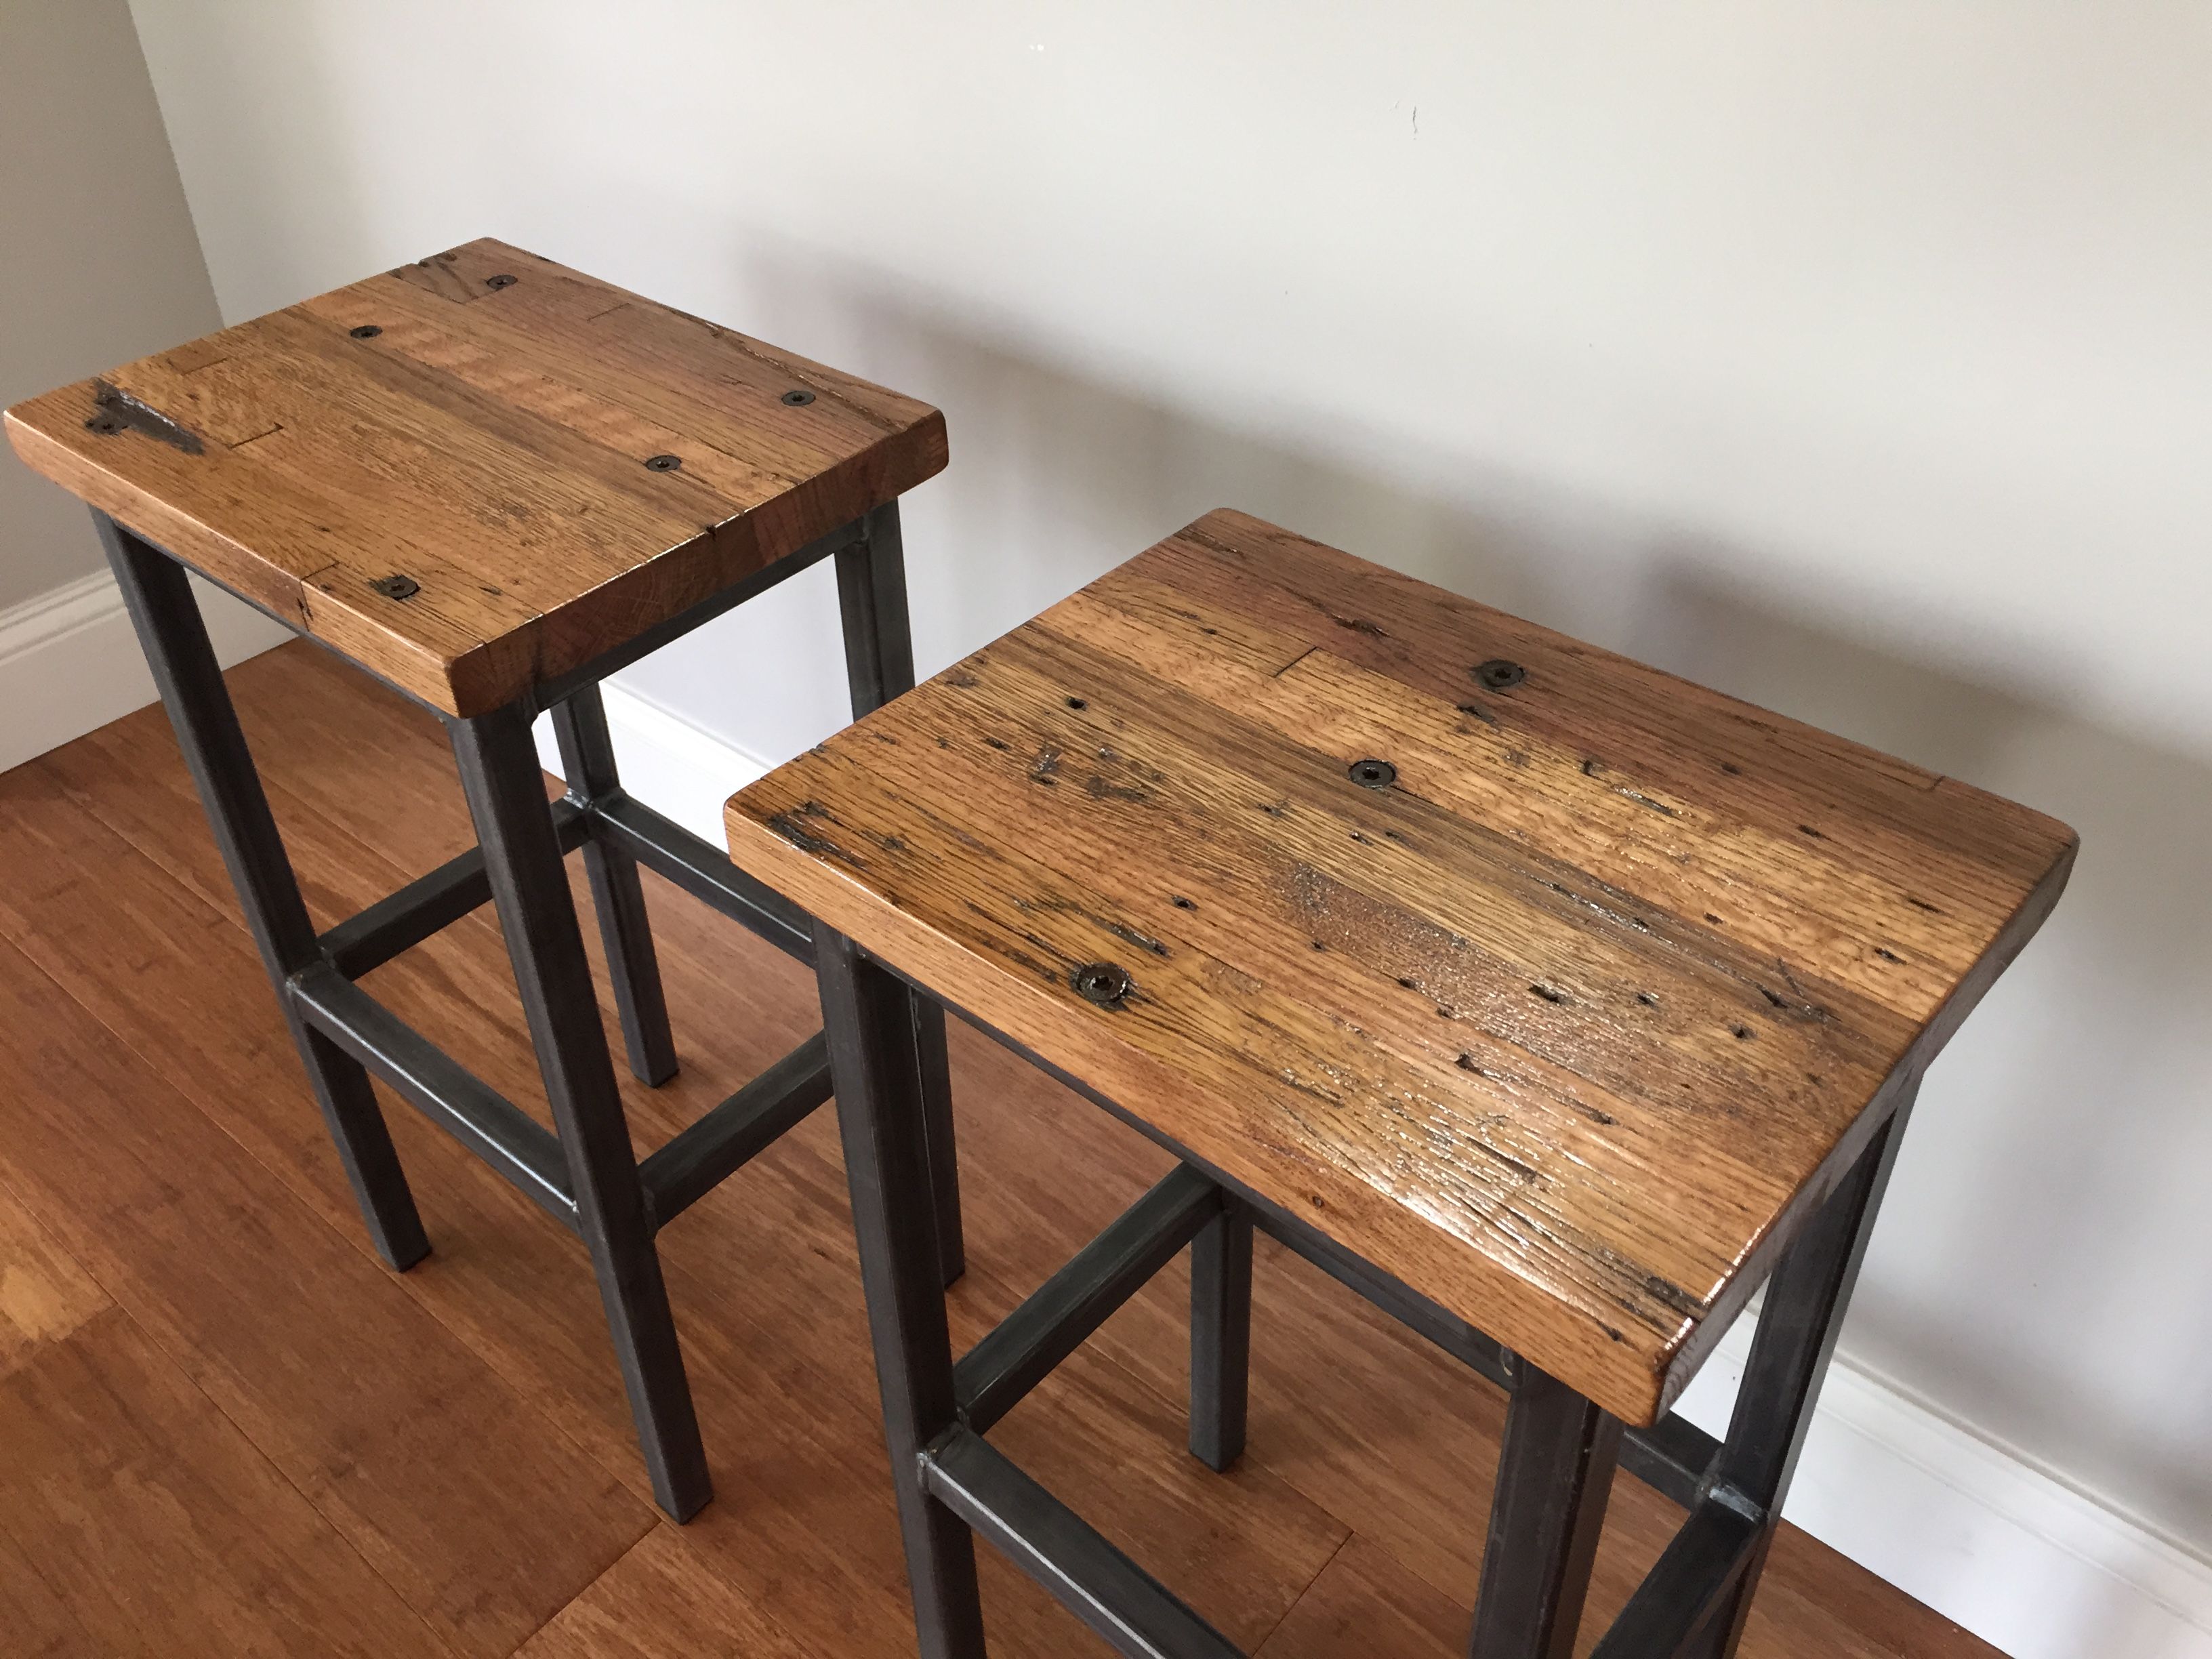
[
  {"x": 1061, "y": 1550},
  {"x": 522, "y": 1149}
]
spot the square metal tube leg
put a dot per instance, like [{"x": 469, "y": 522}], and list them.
[
  {"x": 876, "y": 1068},
  {"x": 1798, "y": 1324},
  {"x": 522, "y": 857},
  {"x": 1221, "y": 1335},
  {"x": 166, "y": 616},
  {"x": 879, "y": 666},
  {"x": 1554, "y": 1475},
  {"x": 587, "y": 759}
]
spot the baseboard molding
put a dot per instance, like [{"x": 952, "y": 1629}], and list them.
[
  {"x": 1978, "y": 1532},
  {"x": 70, "y": 662},
  {"x": 679, "y": 769}
]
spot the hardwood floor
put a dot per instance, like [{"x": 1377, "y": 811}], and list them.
[{"x": 226, "y": 1429}]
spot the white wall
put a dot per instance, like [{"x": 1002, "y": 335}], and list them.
[
  {"x": 1852, "y": 357},
  {"x": 98, "y": 260},
  {"x": 99, "y": 263}
]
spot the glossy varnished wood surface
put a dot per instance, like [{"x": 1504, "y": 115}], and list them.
[
  {"x": 1567, "y": 1026},
  {"x": 478, "y": 422},
  {"x": 225, "y": 1429}
]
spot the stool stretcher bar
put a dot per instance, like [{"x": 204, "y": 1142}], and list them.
[
  {"x": 1096, "y": 1582},
  {"x": 1022, "y": 1349}
]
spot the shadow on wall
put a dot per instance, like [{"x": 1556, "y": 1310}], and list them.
[{"x": 2039, "y": 1272}]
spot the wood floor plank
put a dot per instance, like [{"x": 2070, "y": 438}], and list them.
[
  {"x": 45, "y": 1293},
  {"x": 474, "y": 1509},
  {"x": 1367, "y": 1602},
  {"x": 154, "y": 1527},
  {"x": 660, "y": 1601}
]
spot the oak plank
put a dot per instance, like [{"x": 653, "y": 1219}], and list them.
[
  {"x": 487, "y": 439},
  {"x": 1566, "y": 1021}
]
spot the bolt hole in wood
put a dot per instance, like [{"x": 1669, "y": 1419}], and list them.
[
  {"x": 663, "y": 463},
  {"x": 799, "y": 397},
  {"x": 397, "y": 586},
  {"x": 501, "y": 281},
  {"x": 1106, "y": 983},
  {"x": 1372, "y": 774},
  {"x": 1078, "y": 703},
  {"x": 1498, "y": 674},
  {"x": 365, "y": 331}
]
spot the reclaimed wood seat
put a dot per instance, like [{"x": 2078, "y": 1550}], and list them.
[
  {"x": 1551, "y": 999},
  {"x": 478, "y": 473},
  {"x": 491, "y": 482}
]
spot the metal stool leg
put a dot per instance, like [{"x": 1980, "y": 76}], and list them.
[
  {"x": 869, "y": 1016},
  {"x": 587, "y": 758},
  {"x": 1554, "y": 1475},
  {"x": 522, "y": 857},
  {"x": 1803, "y": 1313},
  {"x": 168, "y": 618},
  {"x": 879, "y": 666},
  {"x": 1221, "y": 1335}
]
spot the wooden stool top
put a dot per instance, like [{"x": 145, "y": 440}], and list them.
[
  {"x": 1557, "y": 987},
  {"x": 496, "y": 432}
]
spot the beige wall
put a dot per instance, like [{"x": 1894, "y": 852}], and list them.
[{"x": 99, "y": 263}]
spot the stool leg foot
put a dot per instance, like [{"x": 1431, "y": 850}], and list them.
[
  {"x": 881, "y": 1114},
  {"x": 522, "y": 857},
  {"x": 1221, "y": 1335},
  {"x": 1554, "y": 1475},
  {"x": 879, "y": 666},
  {"x": 587, "y": 756},
  {"x": 166, "y": 616}
]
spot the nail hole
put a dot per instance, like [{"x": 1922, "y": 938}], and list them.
[
  {"x": 799, "y": 397},
  {"x": 1183, "y": 903},
  {"x": 365, "y": 331},
  {"x": 1548, "y": 994},
  {"x": 1077, "y": 702},
  {"x": 663, "y": 463},
  {"x": 104, "y": 423}
]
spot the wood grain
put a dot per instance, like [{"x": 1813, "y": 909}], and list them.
[
  {"x": 135, "y": 1519},
  {"x": 487, "y": 439},
  {"x": 44, "y": 1294},
  {"x": 1568, "y": 1024},
  {"x": 422, "y": 1459}
]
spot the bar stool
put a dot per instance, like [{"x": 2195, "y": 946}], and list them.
[
  {"x": 1552, "y": 1003},
  {"x": 490, "y": 482}
]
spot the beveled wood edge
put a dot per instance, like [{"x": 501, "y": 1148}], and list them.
[
  {"x": 1577, "y": 1347},
  {"x": 1704, "y": 1335}
]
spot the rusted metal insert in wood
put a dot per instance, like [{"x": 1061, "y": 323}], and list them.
[
  {"x": 1556, "y": 987},
  {"x": 555, "y": 464}
]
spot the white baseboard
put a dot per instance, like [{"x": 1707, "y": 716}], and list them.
[
  {"x": 70, "y": 662},
  {"x": 679, "y": 769},
  {"x": 1978, "y": 1532}
]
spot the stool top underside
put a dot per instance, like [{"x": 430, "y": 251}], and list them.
[
  {"x": 1567, "y": 1027},
  {"x": 485, "y": 437}
]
